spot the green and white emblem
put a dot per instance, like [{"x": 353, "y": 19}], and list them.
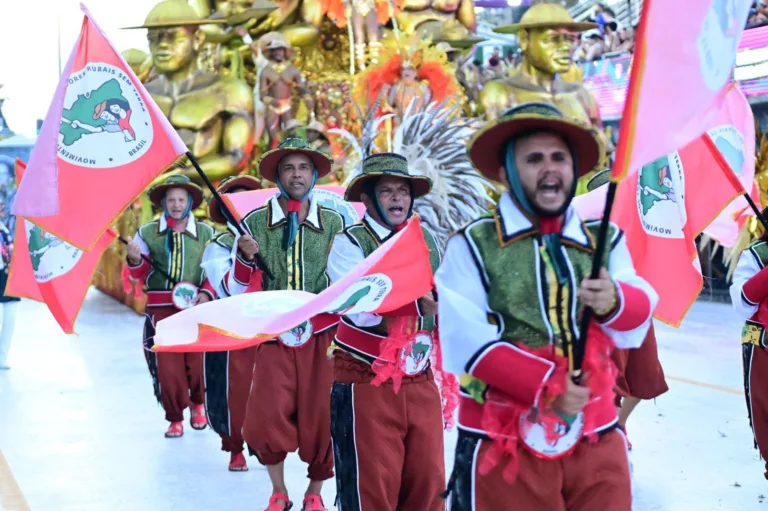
[
  {"x": 50, "y": 256},
  {"x": 661, "y": 197}
]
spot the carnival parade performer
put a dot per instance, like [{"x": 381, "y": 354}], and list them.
[
  {"x": 228, "y": 374},
  {"x": 511, "y": 289},
  {"x": 289, "y": 408},
  {"x": 174, "y": 244},
  {"x": 387, "y": 423},
  {"x": 640, "y": 375},
  {"x": 749, "y": 295}
]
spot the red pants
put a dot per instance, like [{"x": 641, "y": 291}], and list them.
[
  {"x": 640, "y": 372},
  {"x": 756, "y": 390},
  {"x": 594, "y": 477},
  {"x": 388, "y": 448},
  {"x": 177, "y": 377},
  {"x": 289, "y": 406},
  {"x": 228, "y": 376}
]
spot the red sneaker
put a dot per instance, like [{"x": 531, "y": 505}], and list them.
[
  {"x": 313, "y": 503},
  {"x": 275, "y": 505},
  {"x": 237, "y": 463},
  {"x": 175, "y": 430},
  {"x": 198, "y": 420}
]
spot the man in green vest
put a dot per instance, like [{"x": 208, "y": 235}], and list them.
[
  {"x": 174, "y": 244},
  {"x": 288, "y": 409},
  {"x": 387, "y": 435},
  {"x": 228, "y": 374},
  {"x": 533, "y": 433}
]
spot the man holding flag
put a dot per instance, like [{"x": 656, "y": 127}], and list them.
[
  {"x": 512, "y": 287},
  {"x": 388, "y": 440},
  {"x": 289, "y": 409},
  {"x": 228, "y": 374},
  {"x": 166, "y": 256}
]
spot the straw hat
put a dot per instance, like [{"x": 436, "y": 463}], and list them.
[
  {"x": 386, "y": 164},
  {"x": 269, "y": 160},
  {"x": 486, "y": 145},
  {"x": 157, "y": 192},
  {"x": 601, "y": 178},
  {"x": 545, "y": 16}
]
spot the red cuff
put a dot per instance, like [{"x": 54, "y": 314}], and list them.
[
  {"x": 633, "y": 310},
  {"x": 139, "y": 272},
  {"x": 243, "y": 271},
  {"x": 208, "y": 288},
  {"x": 513, "y": 371},
  {"x": 755, "y": 290},
  {"x": 410, "y": 309},
  {"x": 257, "y": 282}
]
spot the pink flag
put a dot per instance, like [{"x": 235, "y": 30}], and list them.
[
  {"x": 330, "y": 196},
  {"x": 683, "y": 58},
  {"x": 103, "y": 141},
  {"x": 397, "y": 273}
]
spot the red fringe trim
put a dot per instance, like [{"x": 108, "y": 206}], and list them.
[
  {"x": 387, "y": 365},
  {"x": 501, "y": 415},
  {"x": 129, "y": 286},
  {"x": 446, "y": 382}
]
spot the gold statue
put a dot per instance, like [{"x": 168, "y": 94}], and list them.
[
  {"x": 212, "y": 114},
  {"x": 427, "y": 16},
  {"x": 277, "y": 83},
  {"x": 545, "y": 33},
  {"x": 140, "y": 62}
]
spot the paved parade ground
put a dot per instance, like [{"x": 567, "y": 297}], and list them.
[{"x": 80, "y": 428}]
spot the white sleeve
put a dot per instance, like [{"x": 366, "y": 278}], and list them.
[
  {"x": 747, "y": 268},
  {"x": 462, "y": 307},
  {"x": 141, "y": 243},
  {"x": 622, "y": 270},
  {"x": 342, "y": 259},
  {"x": 216, "y": 263}
]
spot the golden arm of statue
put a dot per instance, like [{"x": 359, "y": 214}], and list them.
[
  {"x": 466, "y": 14},
  {"x": 237, "y": 135},
  {"x": 312, "y": 12},
  {"x": 495, "y": 98},
  {"x": 277, "y": 18}
]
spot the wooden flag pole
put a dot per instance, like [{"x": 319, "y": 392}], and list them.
[{"x": 150, "y": 261}]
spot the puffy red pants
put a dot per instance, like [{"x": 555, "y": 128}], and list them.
[
  {"x": 388, "y": 448},
  {"x": 177, "y": 377},
  {"x": 756, "y": 390},
  {"x": 594, "y": 477},
  {"x": 640, "y": 372},
  {"x": 289, "y": 408}
]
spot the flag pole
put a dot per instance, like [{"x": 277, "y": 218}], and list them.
[
  {"x": 151, "y": 262},
  {"x": 227, "y": 212},
  {"x": 758, "y": 213},
  {"x": 577, "y": 352}
]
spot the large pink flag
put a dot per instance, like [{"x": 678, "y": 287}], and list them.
[
  {"x": 683, "y": 58},
  {"x": 103, "y": 141},
  {"x": 397, "y": 273}
]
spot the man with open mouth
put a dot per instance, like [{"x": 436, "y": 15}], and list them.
[
  {"x": 385, "y": 407},
  {"x": 512, "y": 286}
]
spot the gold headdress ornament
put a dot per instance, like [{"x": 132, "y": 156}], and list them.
[
  {"x": 174, "y": 13},
  {"x": 412, "y": 56}
]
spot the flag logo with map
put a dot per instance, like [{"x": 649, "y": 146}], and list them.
[
  {"x": 364, "y": 295},
  {"x": 661, "y": 197},
  {"x": 718, "y": 40},
  {"x": 105, "y": 122},
  {"x": 50, "y": 256}
]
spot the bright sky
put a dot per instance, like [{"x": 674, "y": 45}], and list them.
[{"x": 28, "y": 48}]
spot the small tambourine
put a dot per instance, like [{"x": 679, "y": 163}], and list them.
[
  {"x": 414, "y": 356},
  {"x": 184, "y": 295},
  {"x": 533, "y": 435}
]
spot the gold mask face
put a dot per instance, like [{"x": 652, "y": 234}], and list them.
[
  {"x": 172, "y": 48},
  {"x": 549, "y": 50}
]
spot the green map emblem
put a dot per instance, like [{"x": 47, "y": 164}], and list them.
[
  {"x": 718, "y": 39},
  {"x": 50, "y": 256},
  {"x": 105, "y": 122},
  {"x": 365, "y": 295},
  {"x": 661, "y": 197}
]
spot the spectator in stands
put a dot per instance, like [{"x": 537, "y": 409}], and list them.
[
  {"x": 758, "y": 14},
  {"x": 626, "y": 40}
]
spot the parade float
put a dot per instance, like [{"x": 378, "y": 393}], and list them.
[{"x": 354, "y": 77}]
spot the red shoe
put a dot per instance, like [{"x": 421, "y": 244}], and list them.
[
  {"x": 237, "y": 463},
  {"x": 198, "y": 420},
  {"x": 274, "y": 505},
  {"x": 175, "y": 430},
  {"x": 313, "y": 503}
]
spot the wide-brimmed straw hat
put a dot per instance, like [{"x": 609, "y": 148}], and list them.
[
  {"x": 386, "y": 164},
  {"x": 545, "y": 16},
  {"x": 157, "y": 192},
  {"x": 247, "y": 182},
  {"x": 269, "y": 160},
  {"x": 486, "y": 145},
  {"x": 173, "y": 13},
  {"x": 601, "y": 178}
]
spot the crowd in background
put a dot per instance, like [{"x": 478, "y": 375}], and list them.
[
  {"x": 758, "y": 14},
  {"x": 608, "y": 39}
]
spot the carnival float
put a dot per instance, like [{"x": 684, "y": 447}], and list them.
[{"x": 355, "y": 77}]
